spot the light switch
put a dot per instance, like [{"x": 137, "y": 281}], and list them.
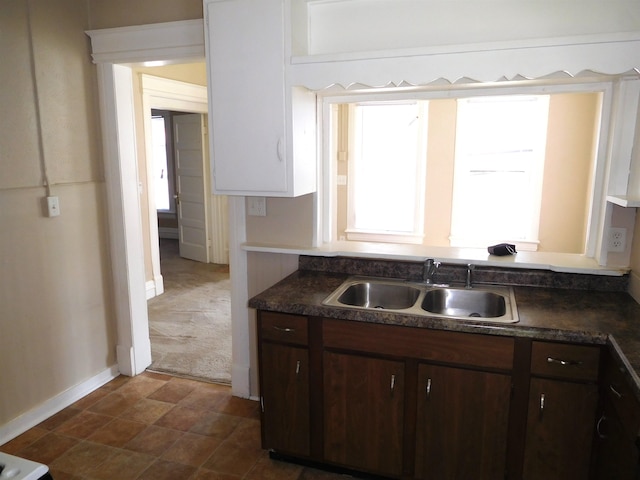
[{"x": 53, "y": 206}]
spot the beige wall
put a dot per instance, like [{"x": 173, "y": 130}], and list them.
[
  {"x": 57, "y": 319},
  {"x": 567, "y": 176},
  {"x": 124, "y": 13},
  {"x": 57, "y": 322}
]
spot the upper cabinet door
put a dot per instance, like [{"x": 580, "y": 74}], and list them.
[
  {"x": 263, "y": 130},
  {"x": 245, "y": 57}
]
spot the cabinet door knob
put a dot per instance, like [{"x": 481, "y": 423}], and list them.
[
  {"x": 279, "y": 151},
  {"x": 542, "y": 399},
  {"x": 615, "y": 392},
  {"x": 599, "y": 425},
  {"x": 563, "y": 362}
]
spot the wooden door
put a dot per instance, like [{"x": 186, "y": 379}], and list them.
[
  {"x": 560, "y": 429},
  {"x": 285, "y": 398},
  {"x": 191, "y": 204},
  {"x": 363, "y": 412},
  {"x": 462, "y": 419}
]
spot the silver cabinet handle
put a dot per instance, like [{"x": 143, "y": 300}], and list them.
[
  {"x": 393, "y": 382},
  {"x": 542, "y": 400},
  {"x": 297, "y": 367},
  {"x": 600, "y": 421},
  {"x": 615, "y": 392},
  {"x": 284, "y": 329},
  {"x": 428, "y": 388},
  {"x": 563, "y": 362}
]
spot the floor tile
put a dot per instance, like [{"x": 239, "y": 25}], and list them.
[
  {"x": 117, "y": 432},
  {"x": 192, "y": 449},
  {"x": 215, "y": 424},
  {"x": 233, "y": 460},
  {"x": 203, "y": 474},
  {"x": 83, "y": 424},
  {"x": 22, "y": 441},
  {"x": 47, "y": 448},
  {"x": 123, "y": 465},
  {"x": 147, "y": 411},
  {"x": 114, "y": 404},
  {"x": 179, "y": 418},
  {"x": 153, "y": 440},
  {"x": 267, "y": 469},
  {"x": 174, "y": 391},
  {"x": 164, "y": 470},
  {"x": 83, "y": 457},
  {"x": 59, "y": 418}
]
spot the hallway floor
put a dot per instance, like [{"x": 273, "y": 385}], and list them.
[{"x": 156, "y": 427}]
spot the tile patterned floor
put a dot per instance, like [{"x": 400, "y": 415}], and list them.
[{"x": 156, "y": 427}]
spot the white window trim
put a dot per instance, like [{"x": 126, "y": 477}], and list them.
[{"x": 604, "y": 164}]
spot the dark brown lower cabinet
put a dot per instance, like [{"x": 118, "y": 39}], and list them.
[
  {"x": 462, "y": 421},
  {"x": 560, "y": 429},
  {"x": 617, "y": 450},
  {"x": 285, "y": 398},
  {"x": 363, "y": 412}
]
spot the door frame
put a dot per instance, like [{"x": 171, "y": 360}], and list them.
[
  {"x": 113, "y": 50},
  {"x": 164, "y": 94}
]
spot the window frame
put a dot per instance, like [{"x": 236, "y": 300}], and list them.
[
  {"x": 326, "y": 224},
  {"x": 416, "y": 234}
]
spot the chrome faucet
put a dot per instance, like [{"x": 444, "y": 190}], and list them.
[
  {"x": 430, "y": 269},
  {"x": 469, "y": 282}
]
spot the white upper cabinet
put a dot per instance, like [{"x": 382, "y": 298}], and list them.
[{"x": 262, "y": 130}]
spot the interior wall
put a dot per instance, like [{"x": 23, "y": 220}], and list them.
[
  {"x": 124, "y": 13},
  {"x": 57, "y": 318}
]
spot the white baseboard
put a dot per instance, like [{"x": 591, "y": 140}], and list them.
[
  {"x": 154, "y": 287},
  {"x": 33, "y": 417}
]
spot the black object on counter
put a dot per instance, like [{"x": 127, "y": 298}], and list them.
[{"x": 502, "y": 249}]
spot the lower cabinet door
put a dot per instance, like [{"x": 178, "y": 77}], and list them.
[
  {"x": 617, "y": 456},
  {"x": 363, "y": 412},
  {"x": 285, "y": 398},
  {"x": 462, "y": 420},
  {"x": 560, "y": 429}
]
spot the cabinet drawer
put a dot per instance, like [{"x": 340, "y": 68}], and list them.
[
  {"x": 619, "y": 393},
  {"x": 420, "y": 343},
  {"x": 282, "y": 327},
  {"x": 574, "y": 362}
]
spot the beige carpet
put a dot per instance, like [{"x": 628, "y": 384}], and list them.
[{"x": 190, "y": 323}]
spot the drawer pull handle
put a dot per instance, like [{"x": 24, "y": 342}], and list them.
[
  {"x": 615, "y": 392},
  {"x": 542, "y": 399},
  {"x": 563, "y": 362},
  {"x": 284, "y": 329},
  {"x": 598, "y": 429},
  {"x": 297, "y": 367},
  {"x": 393, "y": 383},
  {"x": 428, "y": 388}
]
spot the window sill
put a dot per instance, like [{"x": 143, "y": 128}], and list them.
[{"x": 555, "y": 262}]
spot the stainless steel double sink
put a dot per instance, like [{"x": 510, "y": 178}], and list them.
[{"x": 478, "y": 304}]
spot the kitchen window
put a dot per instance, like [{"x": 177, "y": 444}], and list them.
[
  {"x": 499, "y": 163},
  {"x": 386, "y": 187},
  {"x": 493, "y": 164}
]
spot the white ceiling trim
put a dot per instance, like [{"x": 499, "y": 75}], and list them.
[{"x": 158, "y": 42}]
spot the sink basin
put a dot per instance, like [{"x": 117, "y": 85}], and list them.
[
  {"x": 379, "y": 295},
  {"x": 494, "y": 304},
  {"x": 459, "y": 302}
]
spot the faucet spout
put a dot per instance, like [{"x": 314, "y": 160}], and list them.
[
  {"x": 469, "y": 282},
  {"x": 430, "y": 269}
]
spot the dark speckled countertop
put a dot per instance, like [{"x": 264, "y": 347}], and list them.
[{"x": 589, "y": 310}]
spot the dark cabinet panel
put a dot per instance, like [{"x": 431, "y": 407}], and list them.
[{"x": 462, "y": 423}]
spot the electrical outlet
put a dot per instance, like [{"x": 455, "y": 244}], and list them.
[
  {"x": 257, "y": 206},
  {"x": 53, "y": 206},
  {"x": 617, "y": 239}
]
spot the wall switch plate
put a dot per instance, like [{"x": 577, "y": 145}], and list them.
[
  {"x": 617, "y": 239},
  {"x": 53, "y": 206},
  {"x": 257, "y": 206}
]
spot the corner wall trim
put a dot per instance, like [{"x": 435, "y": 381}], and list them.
[{"x": 53, "y": 405}]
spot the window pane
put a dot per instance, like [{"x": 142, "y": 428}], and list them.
[
  {"x": 384, "y": 172},
  {"x": 160, "y": 163},
  {"x": 499, "y": 160}
]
